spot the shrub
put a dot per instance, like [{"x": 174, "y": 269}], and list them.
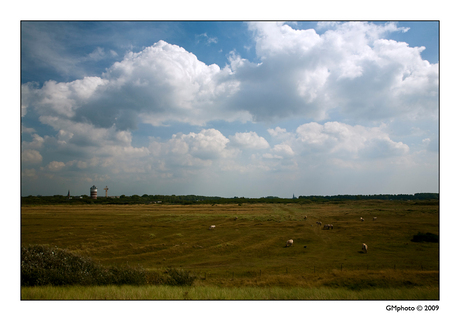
[
  {"x": 45, "y": 265},
  {"x": 178, "y": 277},
  {"x": 125, "y": 275},
  {"x": 425, "y": 237},
  {"x": 154, "y": 278}
]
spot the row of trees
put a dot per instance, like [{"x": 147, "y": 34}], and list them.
[
  {"x": 195, "y": 199},
  {"x": 389, "y": 197}
]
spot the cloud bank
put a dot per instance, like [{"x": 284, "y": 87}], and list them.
[{"x": 349, "y": 84}]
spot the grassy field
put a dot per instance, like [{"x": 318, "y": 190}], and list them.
[
  {"x": 129, "y": 292},
  {"x": 248, "y": 252}
]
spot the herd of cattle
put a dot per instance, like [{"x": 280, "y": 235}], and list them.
[{"x": 325, "y": 227}]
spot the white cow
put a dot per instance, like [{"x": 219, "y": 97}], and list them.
[
  {"x": 289, "y": 243},
  {"x": 361, "y": 219},
  {"x": 364, "y": 248},
  {"x": 212, "y": 227},
  {"x": 374, "y": 218}
]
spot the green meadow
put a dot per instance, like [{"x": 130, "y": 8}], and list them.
[{"x": 245, "y": 256}]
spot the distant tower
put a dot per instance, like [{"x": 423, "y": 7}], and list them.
[
  {"x": 93, "y": 191},
  {"x": 68, "y": 194},
  {"x": 106, "y": 189}
]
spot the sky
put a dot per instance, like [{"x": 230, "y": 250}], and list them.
[{"x": 230, "y": 108}]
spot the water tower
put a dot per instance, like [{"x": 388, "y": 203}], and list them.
[{"x": 93, "y": 192}]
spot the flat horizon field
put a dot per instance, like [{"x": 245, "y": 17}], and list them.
[{"x": 247, "y": 246}]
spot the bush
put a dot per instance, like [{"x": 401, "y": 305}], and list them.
[
  {"x": 126, "y": 275},
  {"x": 154, "y": 278},
  {"x": 45, "y": 265},
  {"x": 178, "y": 277},
  {"x": 426, "y": 237}
]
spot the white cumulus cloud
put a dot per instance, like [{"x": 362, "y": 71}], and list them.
[
  {"x": 351, "y": 70},
  {"x": 55, "y": 166},
  {"x": 250, "y": 140},
  {"x": 335, "y": 137},
  {"x": 283, "y": 149},
  {"x": 30, "y": 156},
  {"x": 348, "y": 97}
]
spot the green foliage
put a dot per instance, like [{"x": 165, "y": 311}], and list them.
[
  {"x": 178, "y": 277},
  {"x": 44, "y": 265},
  {"x": 426, "y": 237},
  {"x": 385, "y": 197},
  {"x": 124, "y": 275},
  {"x": 196, "y": 199}
]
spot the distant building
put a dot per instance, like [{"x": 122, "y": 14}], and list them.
[{"x": 93, "y": 192}]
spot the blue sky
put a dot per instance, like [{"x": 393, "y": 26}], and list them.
[{"x": 230, "y": 108}]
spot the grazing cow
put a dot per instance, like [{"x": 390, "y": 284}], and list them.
[
  {"x": 236, "y": 217},
  {"x": 305, "y": 217},
  {"x": 319, "y": 223},
  {"x": 212, "y": 227},
  {"x": 289, "y": 243},
  {"x": 328, "y": 226},
  {"x": 364, "y": 248},
  {"x": 361, "y": 219},
  {"x": 374, "y": 218}
]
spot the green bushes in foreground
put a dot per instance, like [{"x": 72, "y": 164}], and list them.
[{"x": 44, "y": 265}]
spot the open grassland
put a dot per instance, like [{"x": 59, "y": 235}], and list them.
[
  {"x": 248, "y": 252},
  {"x": 129, "y": 292}
]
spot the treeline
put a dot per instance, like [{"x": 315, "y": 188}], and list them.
[
  {"x": 196, "y": 199},
  {"x": 386, "y": 197}
]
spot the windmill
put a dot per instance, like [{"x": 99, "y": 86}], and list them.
[{"x": 106, "y": 189}]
